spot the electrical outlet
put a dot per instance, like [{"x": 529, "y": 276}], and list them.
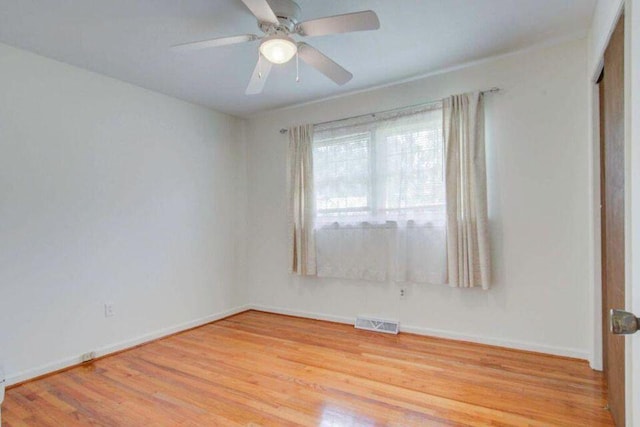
[
  {"x": 403, "y": 293},
  {"x": 108, "y": 309},
  {"x": 87, "y": 357}
]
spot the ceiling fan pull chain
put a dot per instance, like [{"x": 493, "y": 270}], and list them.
[
  {"x": 259, "y": 65},
  {"x": 297, "y": 68}
]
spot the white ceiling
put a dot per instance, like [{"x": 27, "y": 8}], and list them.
[{"x": 130, "y": 39}]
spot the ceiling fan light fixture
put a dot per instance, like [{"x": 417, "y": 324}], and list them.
[{"x": 278, "y": 49}]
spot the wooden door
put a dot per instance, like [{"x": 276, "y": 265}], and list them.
[{"x": 612, "y": 198}]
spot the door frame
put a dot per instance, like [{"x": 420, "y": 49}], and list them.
[{"x": 631, "y": 10}]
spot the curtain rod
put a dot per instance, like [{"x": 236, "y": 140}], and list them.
[{"x": 492, "y": 90}]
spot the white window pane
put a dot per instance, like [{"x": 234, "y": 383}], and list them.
[
  {"x": 380, "y": 171},
  {"x": 341, "y": 172},
  {"x": 412, "y": 171}
]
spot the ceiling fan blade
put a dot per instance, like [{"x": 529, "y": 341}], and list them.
[
  {"x": 262, "y": 11},
  {"x": 259, "y": 77},
  {"x": 324, "y": 64},
  {"x": 221, "y": 41},
  {"x": 357, "y": 21}
]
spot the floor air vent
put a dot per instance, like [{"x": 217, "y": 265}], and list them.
[{"x": 377, "y": 325}]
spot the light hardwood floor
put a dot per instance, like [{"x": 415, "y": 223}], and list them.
[{"x": 264, "y": 369}]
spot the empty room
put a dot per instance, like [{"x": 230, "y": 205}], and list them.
[{"x": 319, "y": 213}]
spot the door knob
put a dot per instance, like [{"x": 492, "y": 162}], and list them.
[{"x": 623, "y": 322}]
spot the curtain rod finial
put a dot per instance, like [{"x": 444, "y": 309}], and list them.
[{"x": 283, "y": 131}]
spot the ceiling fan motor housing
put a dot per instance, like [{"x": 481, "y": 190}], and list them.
[{"x": 288, "y": 14}]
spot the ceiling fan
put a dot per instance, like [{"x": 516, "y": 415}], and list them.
[{"x": 279, "y": 21}]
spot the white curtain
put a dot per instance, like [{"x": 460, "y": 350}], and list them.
[
  {"x": 380, "y": 198},
  {"x": 468, "y": 258},
  {"x": 398, "y": 252},
  {"x": 302, "y": 253}
]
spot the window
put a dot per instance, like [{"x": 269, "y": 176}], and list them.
[
  {"x": 386, "y": 169},
  {"x": 373, "y": 206},
  {"x": 380, "y": 198}
]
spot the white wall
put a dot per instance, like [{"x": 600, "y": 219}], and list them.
[
  {"x": 538, "y": 201},
  {"x": 109, "y": 193}
]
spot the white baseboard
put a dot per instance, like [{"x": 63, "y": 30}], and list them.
[
  {"x": 499, "y": 342},
  {"x": 305, "y": 314},
  {"x": 123, "y": 345},
  {"x": 596, "y": 365}
]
